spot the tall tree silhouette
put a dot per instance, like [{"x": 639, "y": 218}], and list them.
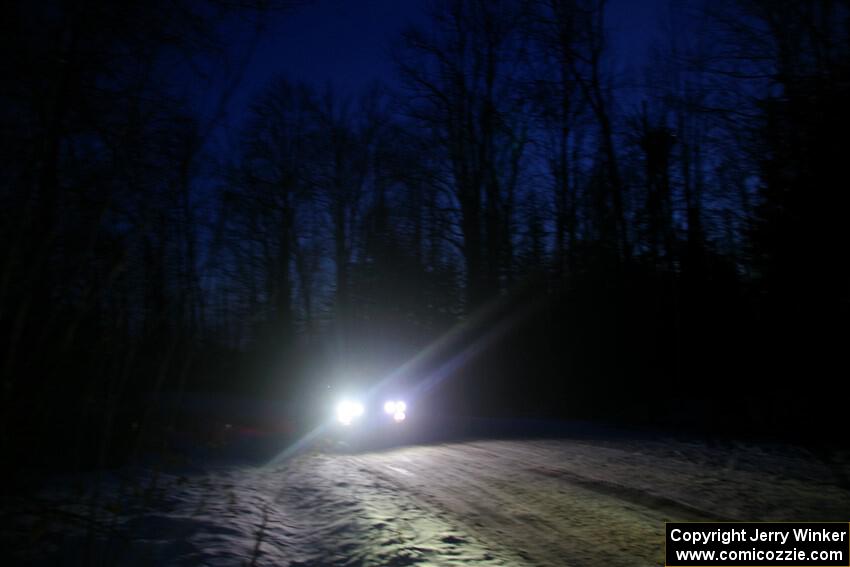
[{"x": 462, "y": 76}]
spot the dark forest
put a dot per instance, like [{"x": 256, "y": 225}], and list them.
[{"x": 513, "y": 221}]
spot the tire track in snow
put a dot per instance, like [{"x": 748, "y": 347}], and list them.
[
  {"x": 351, "y": 516},
  {"x": 542, "y": 519},
  {"x": 668, "y": 506}
]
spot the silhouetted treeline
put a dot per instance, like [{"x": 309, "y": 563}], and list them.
[
  {"x": 662, "y": 246},
  {"x": 103, "y": 216}
]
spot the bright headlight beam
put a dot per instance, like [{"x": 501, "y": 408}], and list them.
[
  {"x": 441, "y": 373},
  {"x": 347, "y": 411},
  {"x": 393, "y": 407}
]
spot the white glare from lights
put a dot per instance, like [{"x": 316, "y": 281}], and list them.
[
  {"x": 347, "y": 411},
  {"x": 395, "y": 408}
]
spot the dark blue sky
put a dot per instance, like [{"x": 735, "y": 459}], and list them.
[
  {"x": 345, "y": 42},
  {"x": 348, "y": 42}
]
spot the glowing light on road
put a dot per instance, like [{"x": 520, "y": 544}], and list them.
[
  {"x": 347, "y": 411},
  {"x": 399, "y": 416},
  {"x": 441, "y": 373}
]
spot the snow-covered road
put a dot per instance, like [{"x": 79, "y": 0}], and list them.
[{"x": 548, "y": 502}]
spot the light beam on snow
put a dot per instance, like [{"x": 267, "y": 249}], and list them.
[{"x": 434, "y": 378}]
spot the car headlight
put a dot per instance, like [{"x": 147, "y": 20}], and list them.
[
  {"x": 347, "y": 411},
  {"x": 397, "y": 409}
]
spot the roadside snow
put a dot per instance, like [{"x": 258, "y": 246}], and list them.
[{"x": 478, "y": 503}]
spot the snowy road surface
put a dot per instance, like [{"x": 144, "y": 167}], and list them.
[{"x": 548, "y": 502}]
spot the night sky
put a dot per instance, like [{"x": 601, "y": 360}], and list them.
[{"x": 348, "y": 44}]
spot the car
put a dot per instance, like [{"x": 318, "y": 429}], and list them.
[{"x": 359, "y": 425}]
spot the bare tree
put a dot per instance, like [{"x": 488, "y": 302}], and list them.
[{"x": 462, "y": 81}]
